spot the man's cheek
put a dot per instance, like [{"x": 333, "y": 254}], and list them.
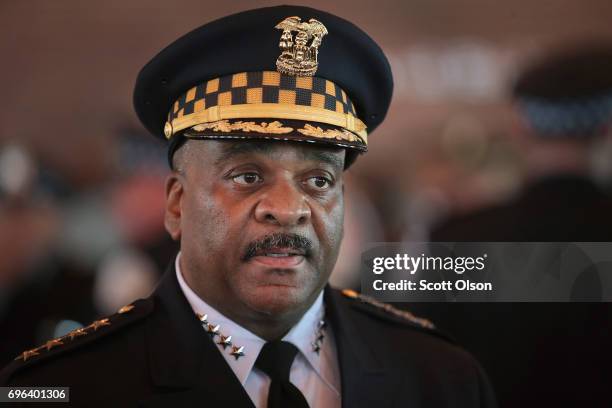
[
  {"x": 330, "y": 231},
  {"x": 211, "y": 224},
  {"x": 336, "y": 224}
]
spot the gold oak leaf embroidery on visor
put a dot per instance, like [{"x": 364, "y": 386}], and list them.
[
  {"x": 341, "y": 134},
  {"x": 275, "y": 127}
]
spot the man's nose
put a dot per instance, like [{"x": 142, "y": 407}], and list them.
[{"x": 283, "y": 203}]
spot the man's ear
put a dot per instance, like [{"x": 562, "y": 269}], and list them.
[{"x": 174, "y": 199}]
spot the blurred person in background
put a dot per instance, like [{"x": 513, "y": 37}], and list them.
[
  {"x": 39, "y": 290},
  {"x": 74, "y": 252},
  {"x": 555, "y": 354},
  {"x": 565, "y": 107}
]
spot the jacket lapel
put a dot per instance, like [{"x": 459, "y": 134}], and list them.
[
  {"x": 184, "y": 362},
  {"x": 363, "y": 378}
]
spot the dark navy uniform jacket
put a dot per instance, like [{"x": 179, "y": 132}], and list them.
[{"x": 156, "y": 354}]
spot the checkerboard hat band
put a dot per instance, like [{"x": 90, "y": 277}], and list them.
[{"x": 266, "y": 94}]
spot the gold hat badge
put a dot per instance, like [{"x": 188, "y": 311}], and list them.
[{"x": 299, "y": 55}]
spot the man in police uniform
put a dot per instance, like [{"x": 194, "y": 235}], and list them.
[{"x": 263, "y": 111}]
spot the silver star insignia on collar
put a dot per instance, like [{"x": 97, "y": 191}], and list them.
[
  {"x": 319, "y": 336},
  {"x": 213, "y": 330},
  {"x": 237, "y": 352},
  {"x": 203, "y": 318},
  {"x": 225, "y": 341}
]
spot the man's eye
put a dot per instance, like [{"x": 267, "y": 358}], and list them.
[
  {"x": 319, "y": 183},
  {"x": 247, "y": 178}
]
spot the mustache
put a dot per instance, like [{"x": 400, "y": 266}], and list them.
[{"x": 275, "y": 241}]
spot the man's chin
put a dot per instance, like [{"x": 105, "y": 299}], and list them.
[
  {"x": 277, "y": 291},
  {"x": 275, "y": 299}
]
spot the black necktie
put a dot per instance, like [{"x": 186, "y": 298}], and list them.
[{"x": 275, "y": 359}]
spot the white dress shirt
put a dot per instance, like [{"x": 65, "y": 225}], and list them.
[{"x": 316, "y": 375}]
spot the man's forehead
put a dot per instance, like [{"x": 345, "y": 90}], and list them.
[{"x": 227, "y": 150}]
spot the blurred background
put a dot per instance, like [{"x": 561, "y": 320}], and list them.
[{"x": 81, "y": 181}]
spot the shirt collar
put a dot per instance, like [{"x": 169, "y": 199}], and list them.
[{"x": 301, "y": 335}]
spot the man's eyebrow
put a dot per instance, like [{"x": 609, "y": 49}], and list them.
[
  {"x": 237, "y": 149},
  {"x": 326, "y": 157}
]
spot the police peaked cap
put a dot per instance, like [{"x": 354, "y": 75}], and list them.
[{"x": 228, "y": 80}]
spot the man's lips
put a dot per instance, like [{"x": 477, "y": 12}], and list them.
[
  {"x": 279, "y": 262},
  {"x": 279, "y": 257}
]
